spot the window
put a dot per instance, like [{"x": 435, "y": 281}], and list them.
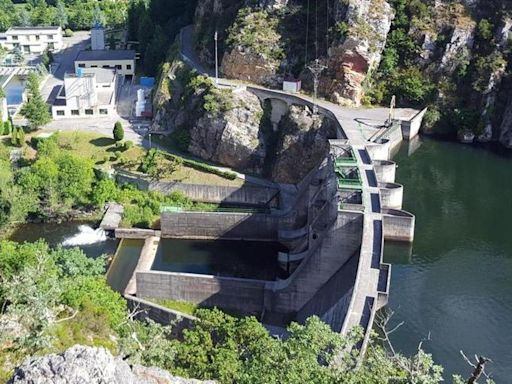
[
  {"x": 103, "y": 111},
  {"x": 61, "y": 113},
  {"x": 26, "y": 48},
  {"x": 94, "y": 66},
  {"x": 51, "y": 46},
  {"x": 128, "y": 66},
  {"x": 81, "y": 65},
  {"x": 89, "y": 112},
  {"x": 37, "y": 37},
  {"x": 14, "y": 37},
  {"x": 119, "y": 66},
  {"x": 106, "y": 66},
  {"x": 50, "y": 37},
  {"x": 105, "y": 86},
  {"x": 75, "y": 112}
]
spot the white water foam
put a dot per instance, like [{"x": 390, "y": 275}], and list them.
[{"x": 86, "y": 235}]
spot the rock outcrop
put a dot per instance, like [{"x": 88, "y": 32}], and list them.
[
  {"x": 302, "y": 144},
  {"x": 352, "y": 58},
  {"x": 80, "y": 364},
  {"x": 231, "y": 138},
  {"x": 247, "y": 65}
]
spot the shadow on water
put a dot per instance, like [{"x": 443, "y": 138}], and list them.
[{"x": 124, "y": 263}]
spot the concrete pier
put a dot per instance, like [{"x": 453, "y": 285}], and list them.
[
  {"x": 147, "y": 257},
  {"x": 112, "y": 218}
]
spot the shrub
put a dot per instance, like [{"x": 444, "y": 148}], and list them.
[
  {"x": 68, "y": 32},
  {"x": 118, "y": 132},
  {"x": 7, "y": 127},
  {"x": 128, "y": 144}
]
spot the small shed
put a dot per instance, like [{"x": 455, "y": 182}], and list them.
[{"x": 292, "y": 85}]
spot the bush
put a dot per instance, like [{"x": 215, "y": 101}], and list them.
[
  {"x": 7, "y": 126},
  {"x": 118, "y": 132},
  {"x": 128, "y": 145},
  {"x": 68, "y": 32}
]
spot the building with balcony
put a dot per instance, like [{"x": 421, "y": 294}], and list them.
[
  {"x": 87, "y": 93},
  {"x": 33, "y": 40}
]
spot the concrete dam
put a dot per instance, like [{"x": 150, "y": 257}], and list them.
[{"x": 331, "y": 225}]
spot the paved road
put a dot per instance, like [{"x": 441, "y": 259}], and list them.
[{"x": 66, "y": 60}]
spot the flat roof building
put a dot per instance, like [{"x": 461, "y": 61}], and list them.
[
  {"x": 123, "y": 61},
  {"x": 86, "y": 93},
  {"x": 33, "y": 40}
]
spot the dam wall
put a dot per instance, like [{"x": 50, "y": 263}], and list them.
[
  {"x": 385, "y": 170},
  {"x": 222, "y": 225},
  {"x": 243, "y": 195},
  {"x": 243, "y": 296},
  {"x": 391, "y": 195},
  {"x": 398, "y": 225}
]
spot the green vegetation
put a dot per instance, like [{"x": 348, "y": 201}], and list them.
[
  {"x": 51, "y": 299},
  {"x": 35, "y": 110},
  {"x": 155, "y": 24},
  {"x": 176, "y": 305},
  {"x": 256, "y": 31},
  {"x": 76, "y": 15},
  {"x": 118, "y": 132}
]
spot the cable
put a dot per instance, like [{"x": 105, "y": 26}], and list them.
[
  {"x": 327, "y": 29},
  {"x": 307, "y": 37},
  {"x": 316, "y": 28}
]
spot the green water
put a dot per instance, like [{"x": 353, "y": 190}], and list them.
[
  {"x": 246, "y": 259},
  {"x": 124, "y": 263},
  {"x": 456, "y": 279}
]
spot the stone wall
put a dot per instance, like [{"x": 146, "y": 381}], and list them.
[
  {"x": 240, "y": 295},
  {"x": 243, "y": 195}
]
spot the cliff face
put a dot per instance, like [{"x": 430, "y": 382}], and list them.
[
  {"x": 302, "y": 143},
  {"x": 352, "y": 57},
  {"x": 231, "y": 138},
  {"x": 81, "y": 364},
  {"x": 450, "y": 55}
]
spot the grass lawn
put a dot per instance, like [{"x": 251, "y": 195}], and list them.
[
  {"x": 101, "y": 149},
  {"x": 180, "y": 306},
  {"x": 96, "y": 147}
]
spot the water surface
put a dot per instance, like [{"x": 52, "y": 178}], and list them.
[
  {"x": 246, "y": 259},
  {"x": 456, "y": 279},
  {"x": 80, "y": 234}
]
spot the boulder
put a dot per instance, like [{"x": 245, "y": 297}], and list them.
[{"x": 80, "y": 364}]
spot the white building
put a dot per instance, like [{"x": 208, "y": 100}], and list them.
[
  {"x": 33, "y": 39},
  {"x": 88, "y": 92},
  {"x": 123, "y": 61}
]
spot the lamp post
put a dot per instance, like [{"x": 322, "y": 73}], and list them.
[
  {"x": 216, "y": 37},
  {"x": 149, "y": 140}
]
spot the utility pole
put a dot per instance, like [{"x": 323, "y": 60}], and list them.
[
  {"x": 391, "y": 110},
  {"x": 216, "y": 37},
  {"x": 316, "y": 69}
]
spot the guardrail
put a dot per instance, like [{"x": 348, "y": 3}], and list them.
[{"x": 170, "y": 208}]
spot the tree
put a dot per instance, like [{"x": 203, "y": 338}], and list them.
[
  {"x": 24, "y": 18},
  {"x": 118, "y": 132},
  {"x": 61, "y": 15},
  {"x": 35, "y": 110}
]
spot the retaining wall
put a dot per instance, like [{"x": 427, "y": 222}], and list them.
[
  {"x": 398, "y": 225},
  {"x": 410, "y": 129},
  {"x": 243, "y": 195},
  {"x": 241, "y": 295},
  {"x": 135, "y": 233},
  {"x": 214, "y": 225},
  {"x": 162, "y": 315}
]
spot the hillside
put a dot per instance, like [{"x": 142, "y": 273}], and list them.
[{"x": 453, "y": 56}]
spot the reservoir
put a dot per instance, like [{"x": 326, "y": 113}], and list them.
[{"x": 456, "y": 279}]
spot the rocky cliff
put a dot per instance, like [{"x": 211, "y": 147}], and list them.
[
  {"x": 450, "y": 55},
  {"x": 81, "y": 364}
]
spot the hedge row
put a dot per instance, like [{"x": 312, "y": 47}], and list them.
[{"x": 204, "y": 167}]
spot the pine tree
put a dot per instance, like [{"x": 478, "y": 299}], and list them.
[{"x": 118, "y": 132}]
